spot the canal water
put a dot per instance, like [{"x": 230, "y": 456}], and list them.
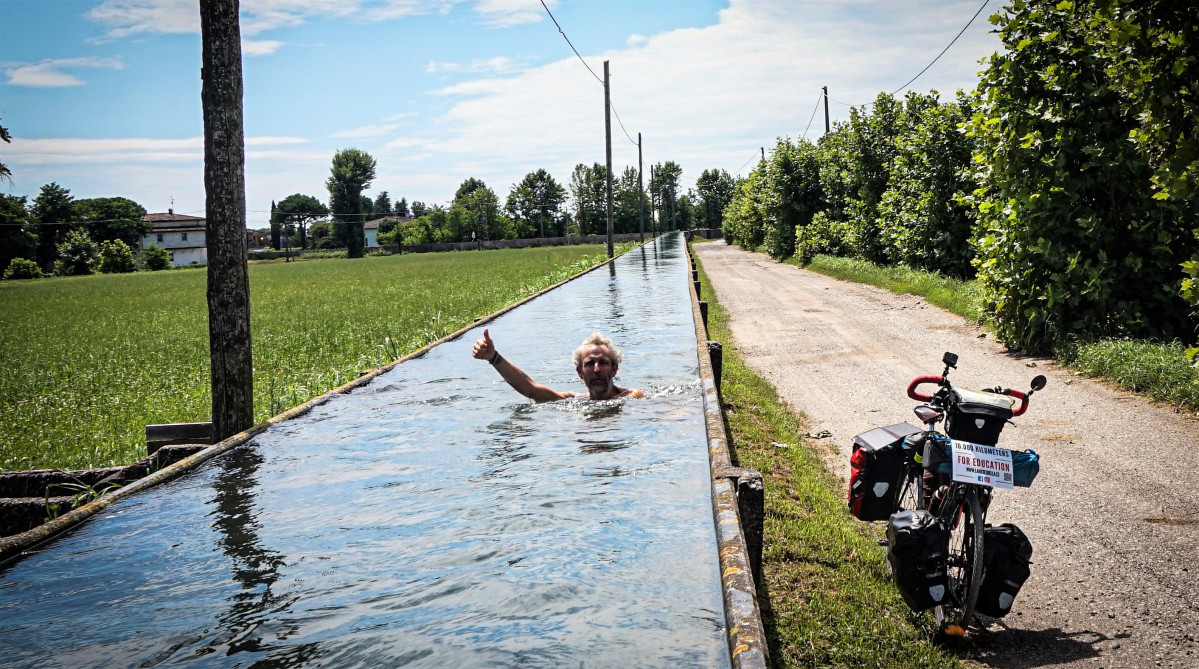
[{"x": 434, "y": 518}]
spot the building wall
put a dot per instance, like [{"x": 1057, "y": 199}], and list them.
[
  {"x": 188, "y": 251},
  {"x": 372, "y": 237}
]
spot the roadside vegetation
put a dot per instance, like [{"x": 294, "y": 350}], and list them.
[
  {"x": 90, "y": 360},
  {"x": 827, "y": 598},
  {"x": 1062, "y": 214}
]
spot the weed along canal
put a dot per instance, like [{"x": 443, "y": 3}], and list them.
[{"x": 433, "y": 517}]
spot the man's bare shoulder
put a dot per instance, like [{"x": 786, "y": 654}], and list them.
[{"x": 632, "y": 392}]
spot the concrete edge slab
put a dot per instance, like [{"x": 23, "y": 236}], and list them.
[
  {"x": 12, "y": 548},
  {"x": 743, "y": 618}
]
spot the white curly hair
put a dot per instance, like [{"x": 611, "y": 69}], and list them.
[{"x": 615, "y": 355}]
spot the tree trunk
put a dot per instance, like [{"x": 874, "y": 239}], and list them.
[{"x": 225, "y": 190}]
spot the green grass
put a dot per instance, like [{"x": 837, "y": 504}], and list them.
[
  {"x": 89, "y": 361},
  {"x": 826, "y": 596},
  {"x": 1158, "y": 370}
]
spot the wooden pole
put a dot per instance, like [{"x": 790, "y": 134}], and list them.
[
  {"x": 826, "y": 126},
  {"x": 640, "y": 188},
  {"x": 608, "y": 141},
  {"x": 225, "y": 200}
]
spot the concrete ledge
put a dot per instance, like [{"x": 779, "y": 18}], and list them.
[
  {"x": 14, "y": 547},
  {"x": 743, "y": 618}
]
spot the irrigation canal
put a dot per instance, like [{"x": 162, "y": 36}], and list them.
[{"x": 431, "y": 518}]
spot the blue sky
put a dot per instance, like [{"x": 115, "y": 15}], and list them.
[{"x": 103, "y": 96}]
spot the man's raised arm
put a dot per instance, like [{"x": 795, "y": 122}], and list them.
[{"x": 520, "y": 382}]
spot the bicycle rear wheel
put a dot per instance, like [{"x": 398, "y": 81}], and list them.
[
  {"x": 910, "y": 495},
  {"x": 964, "y": 561}
]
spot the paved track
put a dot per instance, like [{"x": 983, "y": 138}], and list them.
[{"x": 1113, "y": 515}]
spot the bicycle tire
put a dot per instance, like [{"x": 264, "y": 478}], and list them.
[
  {"x": 910, "y": 495},
  {"x": 964, "y": 562}
]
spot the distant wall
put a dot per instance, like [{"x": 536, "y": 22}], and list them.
[{"x": 491, "y": 244}]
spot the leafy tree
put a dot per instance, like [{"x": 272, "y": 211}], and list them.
[
  {"x": 744, "y": 220},
  {"x": 53, "y": 212},
  {"x": 116, "y": 257},
  {"x": 626, "y": 203},
  {"x": 588, "y": 189},
  {"x": 77, "y": 254},
  {"x": 156, "y": 258},
  {"x": 401, "y": 207},
  {"x": 22, "y": 268},
  {"x": 419, "y": 209},
  {"x": 16, "y": 238},
  {"x": 352, "y": 172},
  {"x": 1072, "y": 240},
  {"x": 664, "y": 184},
  {"x": 469, "y": 186},
  {"x": 714, "y": 192},
  {"x": 367, "y": 208},
  {"x": 382, "y": 204},
  {"x": 114, "y": 218},
  {"x": 535, "y": 205},
  {"x": 276, "y": 228},
  {"x": 476, "y": 210},
  {"x": 300, "y": 210},
  {"x": 793, "y": 194}
]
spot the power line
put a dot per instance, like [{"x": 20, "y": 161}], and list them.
[
  {"x": 819, "y": 98},
  {"x": 980, "y": 11},
  {"x": 746, "y": 163},
  {"x": 572, "y": 46}
]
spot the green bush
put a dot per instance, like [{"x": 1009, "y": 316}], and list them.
[
  {"x": 22, "y": 268},
  {"x": 744, "y": 219},
  {"x": 793, "y": 194},
  {"x": 822, "y": 236},
  {"x": 156, "y": 258},
  {"x": 116, "y": 257},
  {"x": 1071, "y": 240},
  {"x": 77, "y": 254}
]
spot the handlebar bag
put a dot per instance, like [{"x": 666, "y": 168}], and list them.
[
  {"x": 917, "y": 549},
  {"x": 977, "y": 417},
  {"x": 1025, "y": 467},
  {"x": 1006, "y": 556},
  {"x": 874, "y": 470}
]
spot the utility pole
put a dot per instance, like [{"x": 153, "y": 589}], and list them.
[
  {"x": 640, "y": 189},
  {"x": 608, "y": 139},
  {"x": 232, "y": 369},
  {"x": 825, "y": 89},
  {"x": 653, "y": 198},
  {"x": 763, "y": 153}
]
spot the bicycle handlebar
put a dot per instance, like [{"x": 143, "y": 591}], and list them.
[
  {"x": 1020, "y": 396},
  {"x": 920, "y": 380}
]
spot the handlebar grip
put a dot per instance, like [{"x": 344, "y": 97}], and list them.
[
  {"x": 918, "y": 381},
  {"x": 1020, "y": 396}
]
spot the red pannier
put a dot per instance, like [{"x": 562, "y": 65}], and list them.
[{"x": 875, "y": 467}]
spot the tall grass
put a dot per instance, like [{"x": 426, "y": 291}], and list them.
[{"x": 88, "y": 361}]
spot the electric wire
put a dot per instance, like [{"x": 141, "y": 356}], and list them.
[{"x": 819, "y": 98}]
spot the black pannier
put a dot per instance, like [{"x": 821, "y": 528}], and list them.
[
  {"x": 917, "y": 546},
  {"x": 875, "y": 468},
  {"x": 977, "y": 417},
  {"x": 1006, "y": 556}
]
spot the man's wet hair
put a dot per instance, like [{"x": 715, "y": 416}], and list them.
[{"x": 615, "y": 355}]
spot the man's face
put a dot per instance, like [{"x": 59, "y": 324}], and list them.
[{"x": 597, "y": 369}]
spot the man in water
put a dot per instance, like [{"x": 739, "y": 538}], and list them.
[{"x": 596, "y": 363}]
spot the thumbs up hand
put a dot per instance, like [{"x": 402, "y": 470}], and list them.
[{"x": 484, "y": 348}]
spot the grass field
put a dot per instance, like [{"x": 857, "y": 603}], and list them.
[
  {"x": 87, "y": 362},
  {"x": 827, "y": 598}
]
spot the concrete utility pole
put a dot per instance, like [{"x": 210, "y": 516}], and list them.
[
  {"x": 225, "y": 200},
  {"x": 608, "y": 139},
  {"x": 825, "y": 89},
  {"x": 640, "y": 188}
]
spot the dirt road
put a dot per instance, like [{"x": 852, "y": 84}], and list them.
[{"x": 1113, "y": 515}]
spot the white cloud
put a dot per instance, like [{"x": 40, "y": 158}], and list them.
[
  {"x": 495, "y": 65},
  {"x": 504, "y": 13},
  {"x": 636, "y": 40},
  {"x": 259, "y": 47},
  {"x": 50, "y": 73},
  {"x": 68, "y": 151}
]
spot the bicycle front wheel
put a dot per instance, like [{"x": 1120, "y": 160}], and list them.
[
  {"x": 910, "y": 495},
  {"x": 964, "y": 562}
]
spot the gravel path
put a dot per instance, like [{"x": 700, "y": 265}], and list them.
[{"x": 1113, "y": 515}]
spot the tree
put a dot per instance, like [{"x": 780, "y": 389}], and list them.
[
  {"x": 382, "y": 204},
  {"x": 77, "y": 254},
  {"x": 664, "y": 185},
  {"x": 7, "y": 139},
  {"x": 16, "y": 238},
  {"x": 588, "y": 189},
  {"x": 793, "y": 194},
  {"x": 469, "y": 186},
  {"x": 352, "y": 172},
  {"x": 714, "y": 192},
  {"x": 300, "y": 210},
  {"x": 535, "y": 204},
  {"x": 626, "y": 205},
  {"x": 419, "y": 209},
  {"x": 53, "y": 213},
  {"x": 116, "y": 257},
  {"x": 276, "y": 228},
  {"x": 1071, "y": 240},
  {"x": 111, "y": 218},
  {"x": 156, "y": 258},
  {"x": 401, "y": 207},
  {"x": 230, "y": 355},
  {"x": 476, "y": 209}
]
